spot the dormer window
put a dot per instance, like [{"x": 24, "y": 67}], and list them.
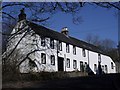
[
  {"x": 67, "y": 48},
  {"x": 52, "y": 43},
  {"x": 43, "y": 41},
  {"x": 74, "y": 50}
]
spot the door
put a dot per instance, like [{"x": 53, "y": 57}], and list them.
[{"x": 60, "y": 64}]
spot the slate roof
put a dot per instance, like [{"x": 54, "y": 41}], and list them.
[{"x": 43, "y": 31}]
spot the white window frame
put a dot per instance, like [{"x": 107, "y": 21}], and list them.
[
  {"x": 43, "y": 58},
  {"x": 52, "y": 57},
  {"x": 83, "y": 52},
  {"x": 43, "y": 41},
  {"x": 74, "y": 50},
  {"x": 67, "y": 48},
  {"x": 75, "y": 64},
  {"x": 68, "y": 63},
  {"x": 60, "y": 45}
]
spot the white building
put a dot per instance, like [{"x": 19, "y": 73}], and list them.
[{"x": 41, "y": 49}]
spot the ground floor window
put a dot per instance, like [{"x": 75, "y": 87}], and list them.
[
  {"x": 74, "y": 64},
  {"x": 52, "y": 60},
  {"x": 68, "y": 63},
  {"x": 103, "y": 68},
  {"x": 95, "y": 67},
  {"x": 106, "y": 69},
  {"x": 43, "y": 58},
  {"x": 112, "y": 65}
]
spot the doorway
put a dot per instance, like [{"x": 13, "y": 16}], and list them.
[{"x": 60, "y": 64}]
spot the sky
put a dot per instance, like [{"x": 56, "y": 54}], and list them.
[{"x": 95, "y": 21}]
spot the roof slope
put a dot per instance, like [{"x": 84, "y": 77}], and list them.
[{"x": 43, "y": 31}]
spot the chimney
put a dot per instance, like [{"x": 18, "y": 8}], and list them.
[
  {"x": 22, "y": 15},
  {"x": 65, "y": 31}
]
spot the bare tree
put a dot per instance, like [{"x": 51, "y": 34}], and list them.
[{"x": 39, "y": 13}]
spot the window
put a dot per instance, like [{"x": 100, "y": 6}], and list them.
[
  {"x": 43, "y": 41},
  {"x": 67, "y": 48},
  {"x": 52, "y": 60},
  {"x": 52, "y": 43},
  {"x": 60, "y": 45},
  {"x": 112, "y": 67},
  {"x": 81, "y": 66},
  {"x": 74, "y": 50},
  {"x": 43, "y": 58},
  {"x": 85, "y": 67},
  {"x": 106, "y": 69},
  {"x": 95, "y": 67},
  {"x": 83, "y": 52},
  {"x": 74, "y": 64},
  {"x": 99, "y": 58},
  {"x": 102, "y": 67},
  {"x": 68, "y": 63}
]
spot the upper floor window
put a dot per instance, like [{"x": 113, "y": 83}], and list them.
[
  {"x": 74, "y": 64},
  {"x": 68, "y": 63},
  {"x": 81, "y": 66},
  {"x": 60, "y": 45},
  {"x": 43, "y": 58},
  {"x": 42, "y": 41},
  {"x": 83, "y": 52},
  {"x": 52, "y": 60},
  {"x": 52, "y": 43},
  {"x": 99, "y": 58},
  {"x": 74, "y": 50},
  {"x": 112, "y": 67},
  {"x": 67, "y": 48}
]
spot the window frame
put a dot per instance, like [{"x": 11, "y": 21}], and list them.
[
  {"x": 68, "y": 63},
  {"x": 74, "y": 64},
  {"x": 51, "y": 43},
  {"x": 95, "y": 67},
  {"x": 43, "y": 60},
  {"x": 52, "y": 61},
  {"x": 43, "y": 41},
  {"x": 99, "y": 57},
  {"x": 60, "y": 45},
  {"x": 74, "y": 50},
  {"x": 83, "y": 52},
  {"x": 67, "y": 48},
  {"x": 112, "y": 66},
  {"x": 106, "y": 69}
]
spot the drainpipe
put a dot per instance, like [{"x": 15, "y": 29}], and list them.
[
  {"x": 57, "y": 53},
  {"x": 88, "y": 58},
  {"x": 65, "y": 61}
]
